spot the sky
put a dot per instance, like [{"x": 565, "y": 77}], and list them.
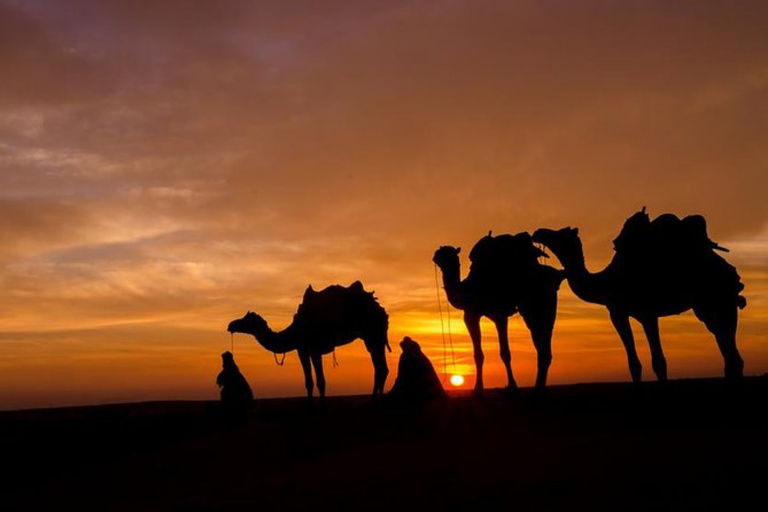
[{"x": 167, "y": 166}]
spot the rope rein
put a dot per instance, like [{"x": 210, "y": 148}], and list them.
[
  {"x": 450, "y": 337},
  {"x": 280, "y": 362},
  {"x": 442, "y": 328},
  {"x": 542, "y": 248}
]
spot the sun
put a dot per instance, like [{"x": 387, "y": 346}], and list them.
[{"x": 457, "y": 380}]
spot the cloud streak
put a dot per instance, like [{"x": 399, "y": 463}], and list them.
[{"x": 173, "y": 164}]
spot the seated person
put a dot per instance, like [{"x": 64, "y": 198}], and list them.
[
  {"x": 416, "y": 377},
  {"x": 236, "y": 394}
]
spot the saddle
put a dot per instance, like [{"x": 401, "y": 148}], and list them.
[{"x": 685, "y": 237}]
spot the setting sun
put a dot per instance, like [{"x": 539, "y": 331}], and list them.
[{"x": 457, "y": 380}]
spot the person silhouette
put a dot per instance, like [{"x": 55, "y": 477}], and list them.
[
  {"x": 236, "y": 394},
  {"x": 416, "y": 377}
]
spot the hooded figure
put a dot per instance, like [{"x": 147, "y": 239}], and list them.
[
  {"x": 416, "y": 377},
  {"x": 236, "y": 394}
]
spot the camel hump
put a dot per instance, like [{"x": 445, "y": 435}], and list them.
[
  {"x": 634, "y": 234},
  {"x": 309, "y": 293},
  {"x": 338, "y": 304},
  {"x": 666, "y": 233},
  {"x": 695, "y": 227},
  {"x": 494, "y": 253}
]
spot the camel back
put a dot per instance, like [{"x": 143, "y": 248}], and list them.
[
  {"x": 500, "y": 255},
  {"x": 674, "y": 247},
  {"x": 342, "y": 308},
  {"x": 666, "y": 232}
]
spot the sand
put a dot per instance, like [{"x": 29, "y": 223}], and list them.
[{"x": 686, "y": 445}]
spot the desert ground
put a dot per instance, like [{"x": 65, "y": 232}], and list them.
[{"x": 685, "y": 445}]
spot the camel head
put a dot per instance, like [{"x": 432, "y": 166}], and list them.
[
  {"x": 249, "y": 324},
  {"x": 564, "y": 243},
  {"x": 447, "y": 257}
]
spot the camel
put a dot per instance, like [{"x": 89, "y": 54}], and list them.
[
  {"x": 505, "y": 278},
  {"x": 647, "y": 280},
  {"x": 327, "y": 319}
]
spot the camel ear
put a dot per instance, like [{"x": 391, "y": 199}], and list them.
[
  {"x": 458, "y": 250},
  {"x": 576, "y": 231}
]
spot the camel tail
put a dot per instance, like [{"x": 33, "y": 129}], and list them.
[
  {"x": 386, "y": 343},
  {"x": 741, "y": 301}
]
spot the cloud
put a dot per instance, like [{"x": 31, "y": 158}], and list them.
[{"x": 178, "y": 162}]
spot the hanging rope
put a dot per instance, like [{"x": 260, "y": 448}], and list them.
[
  {"x": 232, "y": 342},
  {"x": 281, "y": 362},
  {"x": 542, "y": 248},
  {"x": 335, "y": 362},
  {"x": 442, "y": 326},
  {"x": 450, "y": 337}
]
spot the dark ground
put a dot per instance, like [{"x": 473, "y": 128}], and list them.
[{"x": 689, "y": 445}]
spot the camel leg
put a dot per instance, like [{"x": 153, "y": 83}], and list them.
[
  {"x": 722, "y": 322},
  {"x": 658, "y": 361},
  {"x": 380, "y": 369},
  {"x": 317, "y": 362},
  {"x": 540, "y": 320},
  {"x": 542, "y": 340},
  {"x": 621, "y": 324},
  {"x": 502, "y": 324},
  {"x": 306, "y": 365},
  {"x": 472, "y": 322}
]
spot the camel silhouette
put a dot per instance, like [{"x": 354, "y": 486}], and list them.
[
  {"x": 505, "y": 278},
  {"x": 660, "y": 268},
  {"x": 327, "y": 319}
]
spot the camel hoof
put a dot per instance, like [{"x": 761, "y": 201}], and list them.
[
  {"x": 734, "y": 373},
  {"x": 477, "y": 392}
]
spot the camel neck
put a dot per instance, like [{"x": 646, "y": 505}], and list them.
[
  {"x": 588, "y": 286},
  {"x": 451, "y": 283},
  {"x": 277, "y": 342}
]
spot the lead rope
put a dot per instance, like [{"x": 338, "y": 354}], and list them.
[
  {"x": 442, "y": 329},
  {"x": 280, "y": 362},
  {"x": 232, "y": 343},
  {"x": 335, "y": 362},
  {"x": 450, "y": 337},
  {"x": 442, "y": 326}
]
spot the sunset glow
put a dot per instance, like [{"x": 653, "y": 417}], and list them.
[
  {"x": 167, "y": 166},
  {"x": 457, "y": 380}
]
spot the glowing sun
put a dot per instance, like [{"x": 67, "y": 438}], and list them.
[{"x": 457, "y": 380}]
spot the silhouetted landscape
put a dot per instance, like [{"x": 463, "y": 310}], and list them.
[
  {"x": 683, "y": 445},
  {"x": 200, "y": 201}
]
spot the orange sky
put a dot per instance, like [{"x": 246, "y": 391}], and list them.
[{"x": 166, "y": 166}]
